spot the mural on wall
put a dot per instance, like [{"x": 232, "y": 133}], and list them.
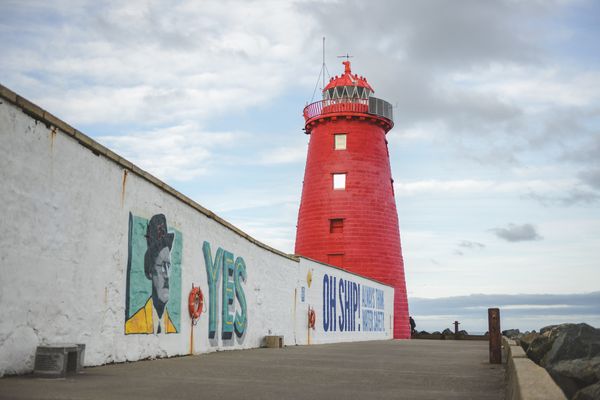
[
  {"x": 153, "y": 298},
  {"x": 232, "y": 274},
  {"x": 349, "y": 306}
]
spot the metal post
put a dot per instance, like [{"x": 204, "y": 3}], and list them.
[
  {"x": 308, "y": 327},
  {"x": 192, "y": 333},
  {"x": 495, "y": 339}
]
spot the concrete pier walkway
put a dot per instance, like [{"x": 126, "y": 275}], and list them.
[{"x": 415, "y": 369}]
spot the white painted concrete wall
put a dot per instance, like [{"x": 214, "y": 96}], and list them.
[{"x": 64, "y": 248}]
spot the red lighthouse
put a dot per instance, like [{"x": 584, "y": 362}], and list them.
[{"x": 348, "y": 214}]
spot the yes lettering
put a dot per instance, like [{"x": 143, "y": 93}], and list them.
[{"x": 232, "y": 272}]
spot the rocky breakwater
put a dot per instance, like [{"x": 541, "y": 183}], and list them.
[{"x": 571, "y": 355}]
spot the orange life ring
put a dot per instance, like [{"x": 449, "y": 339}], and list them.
[
  {"x": 195, "y": 302},
  {"x": 311, "y": 318}
]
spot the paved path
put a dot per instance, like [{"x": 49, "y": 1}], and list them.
[{"x": 415, "y": 369}]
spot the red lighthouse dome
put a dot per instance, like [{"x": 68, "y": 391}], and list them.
[
  {"x": 347, "y": 80},
  {"x": 348, "y": 214}
]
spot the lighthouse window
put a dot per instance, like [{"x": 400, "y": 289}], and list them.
[
  {"x": 360, "y": 91},
  {"x": 339, "y": 181},
  {"x": 338, "y": 93},
  {"x": 336, "y": 225},
  {"x": 339, "y": 141}
]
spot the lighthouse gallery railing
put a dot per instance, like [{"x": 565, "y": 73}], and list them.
[{"x": 372, "y": 105}]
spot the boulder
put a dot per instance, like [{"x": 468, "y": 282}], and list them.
[
  {"x": 526, "y": 339},
  {"x": 574, "y": 375},
  {"x": 436, "y": 333},
  {"x": 571, "y": 341},
  {"x": 547, "y": 329},
  {"x": 563, "y": 342},
  {"x": 447, "y": 332},
  {"x": 538, "y": 347},
  {"x": 511, "y": 333},
  {"x": 591, "y": 392},
  {"x": 570, "y": 353},
  {"x": 463, "y": 333},
  {"x": 423, "y": 333}
]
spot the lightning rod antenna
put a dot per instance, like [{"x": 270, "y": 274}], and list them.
[
  {"x": 323, "y": 62},
  {"x": 323, "y": 70}
]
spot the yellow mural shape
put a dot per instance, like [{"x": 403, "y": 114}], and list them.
[{"x": 143, "y": 321}]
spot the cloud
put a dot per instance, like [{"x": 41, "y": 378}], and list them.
[
  {"x": 587, "y": 151},
  {"x": 254, "y": 199},
  {"x": 479, "y": 299},
  {"x": 591, "y": 178},
  {"x": 577, "y": 196},
  {"x": 429, "y": 186},
  {"x": 470, "y": 245},
  {"x": 156, "y": 62},
  {"x": 517, "y": 233},
  {"x": 274, "y": 234},
  {"x": 283, "y": 155},
  {"x": 444, "y": 36},
  {"x": 535, "y": 86},
  {"x": 180, "y": 153},
  {"x": 571, "y": 197}
]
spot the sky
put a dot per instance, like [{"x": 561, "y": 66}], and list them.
[{"x": 495, "y": 151}]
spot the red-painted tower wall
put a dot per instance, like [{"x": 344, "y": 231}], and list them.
[{"x": 355, "y": 228}]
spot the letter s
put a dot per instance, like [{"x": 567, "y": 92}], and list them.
[{"x": 241, "y": 320}]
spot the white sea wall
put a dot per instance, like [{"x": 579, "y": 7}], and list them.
[{"x": 78, "y": 225}]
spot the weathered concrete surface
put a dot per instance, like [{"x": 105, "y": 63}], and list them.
[
  {"x": 529, "y": 381},
  {"x": 525, "y": 379},
  {"x": 366, "y": 370}
]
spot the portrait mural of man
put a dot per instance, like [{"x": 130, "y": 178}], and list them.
[{"x": 153, "y": 303}]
